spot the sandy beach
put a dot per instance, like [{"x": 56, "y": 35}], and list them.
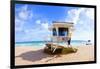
[{"x": 30, "y": 56}]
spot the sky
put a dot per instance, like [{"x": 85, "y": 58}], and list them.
[{"x": 32, "y": 21}]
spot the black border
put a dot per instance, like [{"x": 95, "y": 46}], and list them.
[{"x": 12, "y": 33}]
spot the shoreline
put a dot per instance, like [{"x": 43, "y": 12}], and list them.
[{"x": 30, "y": 55}]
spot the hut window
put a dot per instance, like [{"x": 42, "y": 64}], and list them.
[
  {"x": 54, "y": 32},
  {"x": 63, "y": 31}
]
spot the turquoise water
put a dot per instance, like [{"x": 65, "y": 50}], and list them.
[{"x": 42, "y": 43}]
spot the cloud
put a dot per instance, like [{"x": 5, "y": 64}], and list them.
[
  {"x": 30, "y": 26},
  {"x": 19, "y": 24},
  {"x": 22, "y": 16},
  {"x": 42, "y": 24},
  {"x": 24, "y": 13},
  {"x": 36, "y": 34},
  {"x": 38, "y": 21},
  {"x": 83, "y": 19},
  {"x": 41, "y": 31},
  {"x": 45, "y": 26},
  {"x": 90, "y": 13},
  {"x": 83, "y": 35},
  {"x": 74, "y": 15}
]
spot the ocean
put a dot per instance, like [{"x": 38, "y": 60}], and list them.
[{"x": 41, "y": 44}]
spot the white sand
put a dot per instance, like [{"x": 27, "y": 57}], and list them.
[{"x": 31, "y": 55}]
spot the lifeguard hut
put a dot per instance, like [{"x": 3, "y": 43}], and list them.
[{"x": 61, "y": 32}]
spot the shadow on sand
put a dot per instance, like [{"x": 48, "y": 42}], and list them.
[{"x": 34, "y": 55}]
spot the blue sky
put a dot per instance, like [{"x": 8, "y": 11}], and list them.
[{"x": 32, "y": 21}]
